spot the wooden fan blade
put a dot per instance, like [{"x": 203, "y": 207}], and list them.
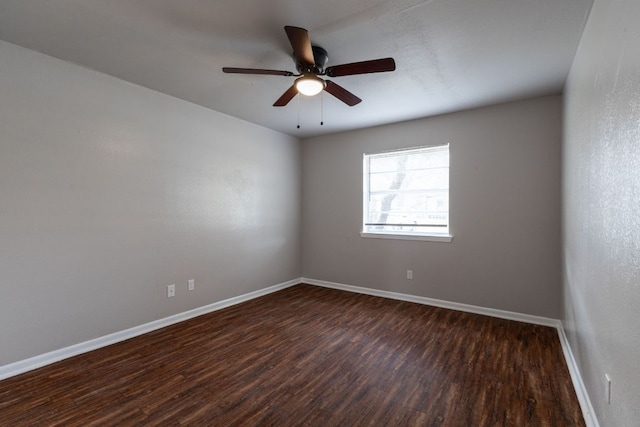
[
  {"x": 256, "y": 71},
  {"x": 301, "y": 44},
  {"x": 286, "y": 97},
  {"x": 342, "y": 94},
  {"x": 364, "y": 67}
]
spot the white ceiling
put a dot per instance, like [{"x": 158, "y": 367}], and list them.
[{"x": 450, "y": 54}]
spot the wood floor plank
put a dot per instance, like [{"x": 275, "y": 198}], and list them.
[{"x": 310, "y": 356}]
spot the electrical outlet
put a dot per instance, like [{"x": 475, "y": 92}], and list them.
[
  {"x": 607, "y": 388},
  {"x": 171, "y": 291},
  {"x": 410, "y": 274},
  {"x": 192, "y": 284}
]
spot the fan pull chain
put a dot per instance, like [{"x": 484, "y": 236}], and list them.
[
  {"x": 321, "y": 109},
  {"x": 298, "y": 111}
]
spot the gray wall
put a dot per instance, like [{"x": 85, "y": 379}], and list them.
[
  {"x": 504, "y": 202},
  {"x": 109, "y": 192},
  {"x": 601, "y": 209}
]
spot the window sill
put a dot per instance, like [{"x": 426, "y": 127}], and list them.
[{"x": 424, "y": 237}]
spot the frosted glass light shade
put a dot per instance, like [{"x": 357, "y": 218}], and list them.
[{"x": 309, "y": 85}]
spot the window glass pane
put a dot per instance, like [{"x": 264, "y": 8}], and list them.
[{"x": 407, "y": 191}]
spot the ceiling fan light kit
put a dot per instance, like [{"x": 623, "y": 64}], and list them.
[
  {"x": 309, "y": 85},
  {"x": 310, "y": 62}
]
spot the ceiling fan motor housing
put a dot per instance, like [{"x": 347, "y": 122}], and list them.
[{"x": 320, "y": 57}]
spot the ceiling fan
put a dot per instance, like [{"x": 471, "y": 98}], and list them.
[{"x": 310, "y": 63}]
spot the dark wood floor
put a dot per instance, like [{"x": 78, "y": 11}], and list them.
[{"x": 310, "y": 356}]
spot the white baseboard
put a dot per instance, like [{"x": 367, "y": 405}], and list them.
[
  {"x": 503, "y": 314},
  {"x": 588, "y": 413},
  {"x": 32, "y": 363},
  {"x": 580, "y": 389}
]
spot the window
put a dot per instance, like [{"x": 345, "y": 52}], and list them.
[{"x": 406, "y": 194}]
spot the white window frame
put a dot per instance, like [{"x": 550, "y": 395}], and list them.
[{"x": 444, "y": 236}]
